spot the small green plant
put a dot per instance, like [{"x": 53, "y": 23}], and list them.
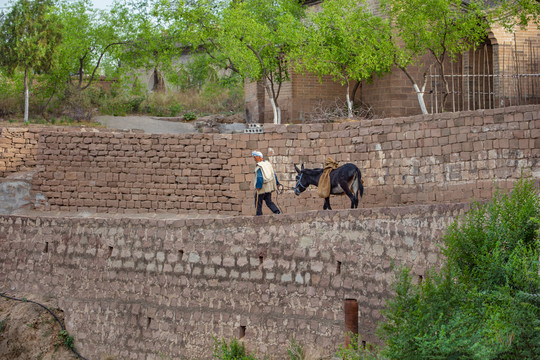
[
  {"x": 3, "y": 324},
  {"x": 233, "y": 351},
  {"x": 357, "y": 350},
  {"x": 295, "y": 350},
  {"x": 176, "y": 109},
  {"x": 66, "y": 339},
  {"x": 189, "y": 116}
]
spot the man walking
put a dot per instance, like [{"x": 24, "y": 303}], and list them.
[{"x": 265, "y": 183}]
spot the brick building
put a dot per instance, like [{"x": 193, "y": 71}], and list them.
[{"x": 502, "y": 72}]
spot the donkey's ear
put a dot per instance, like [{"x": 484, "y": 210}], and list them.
[
  {"x": 302, "y": 166},
  {"x": 296, "y": 168}
]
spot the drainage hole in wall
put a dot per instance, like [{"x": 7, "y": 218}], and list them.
[
  {"x": 420, "y": 279},
  {"x": 241, "y": 332},
  {"x": 261, "y": 259},
  {"x": 363, "y": 344},
  {"x": 46, "y": 248},
  {"x": 338, "y": 268},
  {"x": 180, "y": 254},
  {"x": 110, "y": 252},
  {"x": 148, "y": 322}
]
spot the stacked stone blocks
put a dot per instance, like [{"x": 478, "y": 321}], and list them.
[
  {"x": 135, "y": 288},
  {"x": 441, "y": 158}
]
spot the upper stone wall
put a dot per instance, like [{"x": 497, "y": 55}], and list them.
[
  {"x": 18, "y": 149},
  {"x": 443, "y": 158}
]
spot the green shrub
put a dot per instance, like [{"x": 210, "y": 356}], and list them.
[
  {"x": 189, "y": 116},
  {"x": 233, "y": 351},
  {"x": 484, "y": 304},
  {"x": 295, "y": 350},
  {"x": 356, "y": 351},
  {"x": 175, "y": 109}
]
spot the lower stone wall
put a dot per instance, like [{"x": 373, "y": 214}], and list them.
[{"x": 137, "y": 288}]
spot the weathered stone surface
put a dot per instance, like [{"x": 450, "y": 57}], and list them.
[
  {"x": 148, "y": 297},
  {"x": 404, "y": 161}
]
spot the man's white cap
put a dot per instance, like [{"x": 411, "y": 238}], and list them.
[{"x": 257, "y": 153}]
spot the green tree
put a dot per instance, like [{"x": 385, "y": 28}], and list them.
[
  {"x": 485, "y": 302},
  {"x": 29, "y": 36},
  {"x": 88, "y": 39},
  {"x": 346, "y": 41},
  {"x": 442, "y": 28},
  {"x": 514, "y": 13},
  {"x": 150, "y": 43},
  {"x": 255, "y": 38},
  {"x": 196, "y": 26}
]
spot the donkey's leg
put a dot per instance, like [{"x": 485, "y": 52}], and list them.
[
  {"x": 327, "y": 204},
  {"x": 354, "y": 200}
]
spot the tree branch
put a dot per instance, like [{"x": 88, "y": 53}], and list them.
[{"x": 99, "y": 61}]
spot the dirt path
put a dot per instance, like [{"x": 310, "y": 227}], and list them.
[{"x": 145, "y": 123}]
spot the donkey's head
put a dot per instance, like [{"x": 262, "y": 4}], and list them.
[{"x": 301, "y": 180}]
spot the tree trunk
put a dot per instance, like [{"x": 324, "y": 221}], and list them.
[
  {"x": 420, "y": 96},
  {"x": 349, "y": 102},
  {"x": 419, "y": 93},
  {"x": 273, "y": 101},
  {"x": 275, "y": 110},
  {"x": 26, "y": 96}
]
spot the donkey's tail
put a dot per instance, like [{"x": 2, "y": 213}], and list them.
[{"x": 360, "y": 183}]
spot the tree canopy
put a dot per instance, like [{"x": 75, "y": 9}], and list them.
[
  {"x": 346, "y": 41},
  {"x": 256, "y": 37},
  {"x": 29, "y": 35},
  {"x": 442, "y": 28}
]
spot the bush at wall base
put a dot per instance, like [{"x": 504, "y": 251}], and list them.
[{"x": 485, "y": 301}]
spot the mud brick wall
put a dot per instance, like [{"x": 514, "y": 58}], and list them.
[
  {"x": 136, "y": 288},
  {"x": 444, "y": 158},
  {"x": 18, "y": 150},
  {"x": 448, "y": 158},
  {"x": 132, "y": 172}
]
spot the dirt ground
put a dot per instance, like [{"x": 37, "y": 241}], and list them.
[
  {"x": 153, "y": 125},
  {"x": 27, "y": 331}
]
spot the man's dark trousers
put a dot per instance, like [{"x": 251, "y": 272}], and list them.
[{"x": 267, "y": 197}]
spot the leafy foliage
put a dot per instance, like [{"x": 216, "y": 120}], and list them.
[
  {"x": 234, "y": 350},
  {"x": 484, "y": 303},
  {"x": 496, "y": 244},
  {"x": 346, "y": 41},
  {"x": 29, "y": 35},
  {"x": 295, "y": 350},
  {"x": 67, "y": 340},
  {"x": 255, "y": 38},
  {"x": 442, "y": 28},
  {"x": 512, "y": 14},
  {"x": 357, "y": 351}
]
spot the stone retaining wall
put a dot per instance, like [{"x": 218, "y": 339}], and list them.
[
  {"x": 18, "y": 149},
  {"x": 136, "y": 288},
  {"x": 442, "y": 158}
]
